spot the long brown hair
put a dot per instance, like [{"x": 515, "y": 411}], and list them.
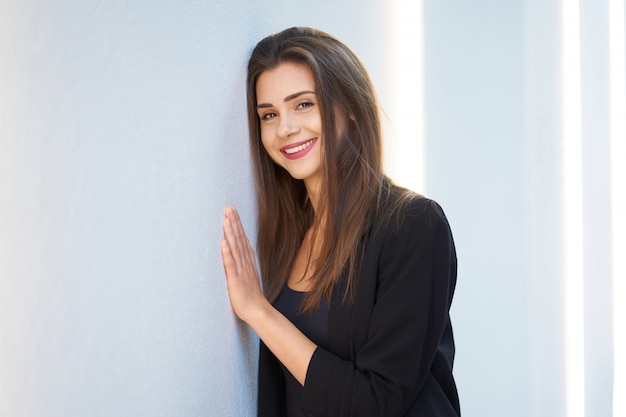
[{"x": 351, "y": 165}]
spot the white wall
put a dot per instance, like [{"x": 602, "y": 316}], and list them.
[{"x": 122, "y": 137}]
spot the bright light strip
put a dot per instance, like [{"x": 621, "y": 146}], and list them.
[
  {"x": 617, "y": 80},
  {"x": 573, "y": 210},
  {"x": 409, "y": 117}
]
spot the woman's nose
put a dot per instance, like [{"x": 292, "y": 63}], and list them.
[{"x": 287, "y": 127}]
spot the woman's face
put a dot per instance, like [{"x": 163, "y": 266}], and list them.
[{"x": 291, "y": 124}]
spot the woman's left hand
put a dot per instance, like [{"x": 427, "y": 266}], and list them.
[{"x": 242, "y": 276}]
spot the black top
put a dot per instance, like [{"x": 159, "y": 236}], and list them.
[
  {"x": 390, "y": 351},
  {"x": 314, "y": 325}
]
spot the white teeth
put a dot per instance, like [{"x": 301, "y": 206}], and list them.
[{"x": 299, "y": 148}]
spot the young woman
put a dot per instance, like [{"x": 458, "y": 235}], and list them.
[{"x": 358, "y": 274}]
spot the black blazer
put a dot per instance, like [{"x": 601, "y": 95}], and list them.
[{"x": 391, "y": 350}]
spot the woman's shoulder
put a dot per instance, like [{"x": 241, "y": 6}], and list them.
[{"x": 400, "y": 208}]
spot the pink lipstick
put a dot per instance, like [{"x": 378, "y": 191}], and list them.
[{"x": 298, "y": 149}]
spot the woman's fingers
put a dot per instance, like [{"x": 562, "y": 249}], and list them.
[
  {"x": 235, "y": 221},
  {"x": 239, "y": 245},
  {"x": 229, "y": 263},
  {"x": 236, "y": 236},
  {"x": 234, "y": 240},
  {"x": 239, "y": 260}
]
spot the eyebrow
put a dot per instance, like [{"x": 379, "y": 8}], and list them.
[{"x": 286, "y": 99}]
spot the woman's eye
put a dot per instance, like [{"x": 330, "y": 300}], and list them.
[
  {"x": 305, "y": 104},
  {"x": 268, "y": 116}
]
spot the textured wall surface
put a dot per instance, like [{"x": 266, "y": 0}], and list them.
[{"x": 122, "y": 137}]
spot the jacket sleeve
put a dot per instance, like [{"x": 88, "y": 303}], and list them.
[
  {"x": 415, "y": 283},
  {"x": 271, "y": 385}
]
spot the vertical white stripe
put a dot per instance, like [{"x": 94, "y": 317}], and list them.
[
  {"x": 573, "y": 210},
  {"x": 617, "y": 79},
  {"x": 409, "y": 118}
]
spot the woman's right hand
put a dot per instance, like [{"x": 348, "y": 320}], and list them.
[
  {"x": 284, "y": 339},
  {"x": 242, "y": 276}
]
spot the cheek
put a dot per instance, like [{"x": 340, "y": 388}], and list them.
[
  {"x": 269, "y": 149},
  {"x": 265, "y": 142}
]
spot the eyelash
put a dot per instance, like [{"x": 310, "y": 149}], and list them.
[{"x": 303, "y": 105}]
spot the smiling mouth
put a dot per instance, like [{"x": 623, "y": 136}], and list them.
[{"x": 298, "y": 150}]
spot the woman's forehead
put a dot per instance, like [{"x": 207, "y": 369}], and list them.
[{"x": 279, "y": 83}]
